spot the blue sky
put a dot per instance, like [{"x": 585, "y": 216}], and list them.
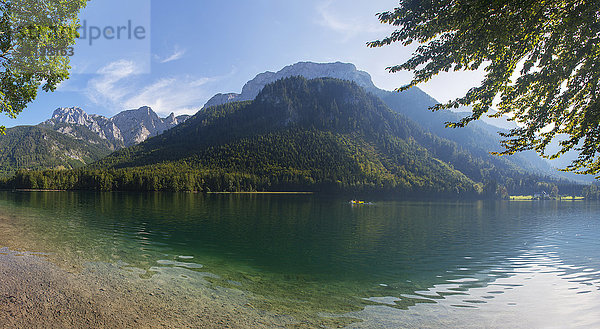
[{"x": 193, "y": 49}]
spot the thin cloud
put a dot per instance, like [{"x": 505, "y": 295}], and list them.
[
  {"x": 120, "y": 85},
  {"x": 177, "y": 54},
  {"x": 109, "y": 86},
  {"x": 349, "y": 26},
  {"x": 181, "y": 95}
]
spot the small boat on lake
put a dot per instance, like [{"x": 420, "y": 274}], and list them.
[{"x": 360, "y": 203}]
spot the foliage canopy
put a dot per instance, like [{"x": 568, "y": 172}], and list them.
[
  {"x": 542, "y": 64},
  {"x": 34, "y": 35}
]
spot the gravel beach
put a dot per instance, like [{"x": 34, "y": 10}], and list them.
[{"x": 35, "y": 293}]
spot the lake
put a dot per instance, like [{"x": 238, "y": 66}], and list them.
[{"x": 247, "y": 260}]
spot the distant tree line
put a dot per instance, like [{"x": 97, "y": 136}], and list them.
[
  {"x": 591, "y": 192},
  {"x": 165, "y": 178}
]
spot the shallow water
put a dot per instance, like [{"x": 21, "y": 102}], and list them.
[{"x": 323, "y": 261}]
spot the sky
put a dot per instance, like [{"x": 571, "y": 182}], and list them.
[{"x": 174, "y": 55}]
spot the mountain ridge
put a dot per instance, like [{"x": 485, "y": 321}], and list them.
[
  {"x": 72, "y": 138},
  {"x": 124, "y": 129},
  {"x": 308, "y": 70}
]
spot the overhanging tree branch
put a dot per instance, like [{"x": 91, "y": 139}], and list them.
[{"x": 542, "y": 61}]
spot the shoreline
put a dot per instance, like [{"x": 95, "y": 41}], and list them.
[
  {"x": 36, "y": 190},
  {"x": 347, "y": 195},
  {"x": 240, "y": 192},
  {"x": 42, "y": 287},
  {"x": 260, "y": 192},
  {"x": 34, "y": 292}
]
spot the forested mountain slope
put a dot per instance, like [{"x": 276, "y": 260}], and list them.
[
  {"x": 36, "y": 148},
  {"x": 309, "y": 134},
  {"x": 479, "y": 138}
]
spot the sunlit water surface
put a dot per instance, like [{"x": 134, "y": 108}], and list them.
[{"x": 389, "y": 264}]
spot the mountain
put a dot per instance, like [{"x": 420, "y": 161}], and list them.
[
  {"x": 138, "y": 125},
  {"x": 308, "y": 70},
  {"x": 124, "y": 129},
  {"x": 36, "y": 148},
  {"x": 74, "y": 122},
  {"x": 294, "y": 133},
  {"x": 73, "y": 138},
  {"x": 322, "y": 135},
  {"x": 478, "y": 138}
]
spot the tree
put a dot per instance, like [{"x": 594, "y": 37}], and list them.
[
  {"x": 35, "y": 36},
  {"x": 542, "y": 64},
  {"x": 554, "y": 192}
]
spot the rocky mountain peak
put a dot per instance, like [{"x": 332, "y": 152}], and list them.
[
  {"x": 144, "y": 113},
  {"x": 308, "y": 70},
  {"x": 73, "y": 115},
  {"x": 219, "y": 99},
  {"x": 124, "y": 129}
]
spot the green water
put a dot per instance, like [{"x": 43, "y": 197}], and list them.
[{"x": 390, "y": 264}]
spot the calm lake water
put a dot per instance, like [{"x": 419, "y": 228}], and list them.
[{"x": 390, "y": 264}]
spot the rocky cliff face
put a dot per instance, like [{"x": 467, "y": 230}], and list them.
[
  {"x": 309, "y": 70},
  {"x": 124, "y": 129}
]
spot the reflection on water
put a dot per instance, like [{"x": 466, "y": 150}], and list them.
[{"x": 389, "y": 264}]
